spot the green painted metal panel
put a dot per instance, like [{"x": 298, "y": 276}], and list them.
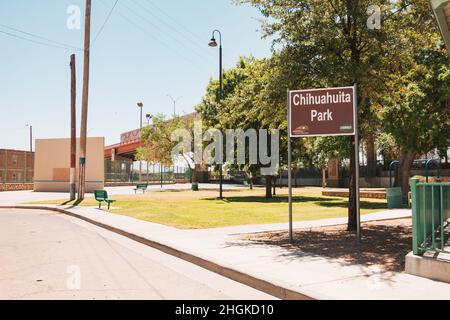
[{"x": 431, "y": 214}]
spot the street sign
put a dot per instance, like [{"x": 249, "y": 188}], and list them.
[{"x": 322, "y": 112}]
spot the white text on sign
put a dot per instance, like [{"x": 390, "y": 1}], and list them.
[{"x": 321, "y": 116}]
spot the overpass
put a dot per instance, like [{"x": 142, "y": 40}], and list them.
[{"x": 130, "y": 141}]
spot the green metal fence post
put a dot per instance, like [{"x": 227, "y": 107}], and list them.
[{"x": 415, "y": 214}]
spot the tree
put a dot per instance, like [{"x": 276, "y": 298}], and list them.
[
  {"x": 159, "y": 143},
  {"x": 241, "y": 105},
  {"x": 325, "y": 148},
  {"x": 417, "y": 113},
  {"x": 330, "y": 43}
]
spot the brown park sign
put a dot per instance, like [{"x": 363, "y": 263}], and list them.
[{"x": 322, "y": 112}]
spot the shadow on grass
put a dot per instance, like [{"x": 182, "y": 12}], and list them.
[
  {"x": 384, "y": 244},
  {"x": 321, "y": 201},
  {"x": 275, "y": 199},
  {"x": 363, "y": 204}
]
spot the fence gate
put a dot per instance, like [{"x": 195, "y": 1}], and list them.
[{"x": 431, "y": 216}]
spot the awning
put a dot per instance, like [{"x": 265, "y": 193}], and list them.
[{"x": 441, "y": 10}]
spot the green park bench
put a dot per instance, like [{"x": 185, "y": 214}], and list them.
[
  {"x": 143, "y": 187},
  {"x": 102, "y": 196}
]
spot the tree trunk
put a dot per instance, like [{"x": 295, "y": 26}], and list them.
[
  {"x": 371, "y": 154},
  {"x": 274, "y": 186},
  {"x": 404, "y": 172},
  {"x": 268, "y": 187},
  {"x": 352, "y": 189},
  {"x": 324, "y": 178},
  {"x": 295, "y": 177},
  {"x": 194, "y": 174},
  {"x": 249, "y": 177}
]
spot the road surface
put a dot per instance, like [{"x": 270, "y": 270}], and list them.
[{"x": 46, "y": 255}]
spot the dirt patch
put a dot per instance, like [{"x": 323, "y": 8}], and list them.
[{"x": 384, "y": 243}]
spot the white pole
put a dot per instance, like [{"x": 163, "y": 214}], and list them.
[
  {"x": 291, "y": 237},
  {"x": 358, "y": 213}
]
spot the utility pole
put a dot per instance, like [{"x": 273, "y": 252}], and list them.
[
  {"x": 73, "y": 134},
  {"x": 84, "y": 103}
]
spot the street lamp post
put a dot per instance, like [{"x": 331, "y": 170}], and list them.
[
  {"x": 31, "y": 151},
  {"x": 31, "y": 137},
  {"x": 140, "y": 105},
  {"x": 213, "y": 44},
  {"x": 174, "y": 104},
  {"x": 149, "y": 117}
]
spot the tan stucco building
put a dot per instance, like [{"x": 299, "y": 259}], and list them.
[{"x": 52, "y": 165}]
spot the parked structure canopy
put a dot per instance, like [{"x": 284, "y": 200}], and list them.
[{"x": 441, "y": 10}]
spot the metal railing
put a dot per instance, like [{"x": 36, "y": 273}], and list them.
[
  {"x": 126, "y": 171},
  {"x": 431, "y": 216}
]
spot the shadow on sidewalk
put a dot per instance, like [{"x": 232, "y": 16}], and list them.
[{"x": 384, "y": 244}]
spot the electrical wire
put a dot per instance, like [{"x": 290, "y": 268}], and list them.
[
  {"x": 56, "y": 44},
  {"x": 36, "y": 42},
  {"x": 194, "y": 37},
  {"x": 172, "y": 50},
  {"x": 106, "y": 21},
  {"x": 199, "y": 49}
]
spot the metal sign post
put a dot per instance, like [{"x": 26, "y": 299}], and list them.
[
  {"x": 291, "y": 236},
  {"x": 358, "y": 212},
  {"x": 323, "y": 113}
]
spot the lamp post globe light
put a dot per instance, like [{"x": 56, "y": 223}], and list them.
[
  {"x": 213, "y": 44},
  {"x": 149, "y": 117}
]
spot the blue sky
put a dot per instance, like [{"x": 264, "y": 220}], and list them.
[{"x": 148, "y": 49}]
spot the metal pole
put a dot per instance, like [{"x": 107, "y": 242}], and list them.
[
  {"x": 358, "y": 213},
  {"x": 291, "y": 236},
  {"x": 31, "y": 139},
  {"x": 140, "y": 132},
  {"x": 220, "y": 97},
  {"x": 73, "y": 134}
]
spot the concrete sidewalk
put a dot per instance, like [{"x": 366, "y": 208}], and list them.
[
  {"x": 268, "y": 268},
  {"x": 14, "y": 197}
]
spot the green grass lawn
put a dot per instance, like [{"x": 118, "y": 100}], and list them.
[{"x": 189, "y": 210}]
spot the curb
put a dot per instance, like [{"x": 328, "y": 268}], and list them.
[{"x": 233, "y": 274}]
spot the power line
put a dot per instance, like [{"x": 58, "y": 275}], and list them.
[
  {"x": 173, "y": 51},
  {"x": 194, "y": 36},
  {"x": 36, "y": 42},
  {"x": 201, "y": 48},
  {"x": 56, "y": 44},
  {"x": 106, "y": 21}
]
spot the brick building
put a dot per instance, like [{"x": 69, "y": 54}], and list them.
[{"x": 16, "y": 166}]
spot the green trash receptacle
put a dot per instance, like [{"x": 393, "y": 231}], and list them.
[
  {"x": 194, "y": 186},
  {"x": 394, "y": 198}
]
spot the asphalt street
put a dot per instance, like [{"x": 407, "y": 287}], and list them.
[{"x": 46, "y": 255}]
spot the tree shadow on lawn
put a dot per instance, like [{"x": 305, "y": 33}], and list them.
[
  {"x": 321, "y": 201},
  {"x": 275, "y": 199},
  {"x": 363, "y": 204},
  {"x": 384, "y": 243}
]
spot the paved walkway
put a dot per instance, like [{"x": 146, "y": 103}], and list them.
[{"x": 13, "y": 197}]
